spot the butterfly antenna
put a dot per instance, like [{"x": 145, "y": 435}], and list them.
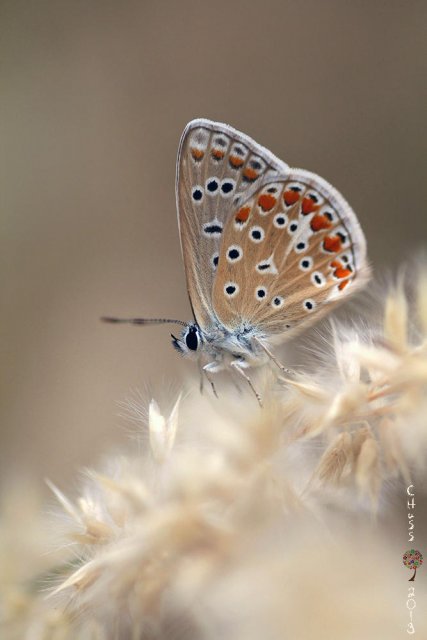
[{"x": 146, "y": 321}]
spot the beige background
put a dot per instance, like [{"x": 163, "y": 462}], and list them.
[{"x": 94, "y": 96}]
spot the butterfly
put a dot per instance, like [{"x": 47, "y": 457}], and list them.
[{"x": 267, "y": 249}]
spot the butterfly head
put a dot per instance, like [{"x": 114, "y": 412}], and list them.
[{"x": 190, "y": 342}]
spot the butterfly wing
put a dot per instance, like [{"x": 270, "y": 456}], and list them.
[
  {"x": 217, "y": 167},
  {"x": 288, "y": 253}
]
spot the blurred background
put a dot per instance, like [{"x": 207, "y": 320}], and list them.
[{"x": 94, "y": 96}]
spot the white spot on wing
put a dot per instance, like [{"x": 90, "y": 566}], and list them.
[
  {"x": 318, "y": 279},
  {"x": 214, "y": 261},
  {"x": 315, "y": 197},
  {"x": 231, "y": 289},
  {"x": 227, "y": 187},
  {"x": 330, "y": 214},
  {"x": 277, "y": 302},
  {"x": 309, "y": 305},
  {"x": 212, "y": 229},
  {"x": 199, "y": 140},
  {"x": 300, "y": 246},
  {"x": 212, "y": 186},
  {"x": 267, "y": 266},
  {"x": 260, "y": 293},
  {"x": 239, "y": 150},
  {"x": 280, "y": 220},
  {"x": 256, "y": 234},
  {"x": 197, "y": 194},
  {"x": 306, "y": 263},
  {"x": 234, "y": 253}
]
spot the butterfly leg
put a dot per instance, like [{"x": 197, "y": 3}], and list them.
[
  {"x": 212, "y": 367},
  {"x": 238, "y": 366},
  {"x": 273, "y": 357},
  {"x": 201, "y": 372}
]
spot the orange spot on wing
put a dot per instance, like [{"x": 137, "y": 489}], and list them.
[
  {"x": 342, "y": 272},
  {"x": 308, "y": 206},
  {"x": 250, "y": 174},
  {"x": 319, "y": 222},
  {"x": 197, "y": 153},
  {"x": 243, "y": 214},
  {"x": 332, "y": 244},
  {"x": 236, "y": 162},
  {"x": 336, "y": 264},
  {"x": 343, "y": 284},
  {"x": 218, "y": 154},
  {"x": 266, "y": 201},
  {"x": 290, "y": 197}
]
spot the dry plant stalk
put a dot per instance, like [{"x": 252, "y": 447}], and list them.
[{"x": 241, "y": 522}]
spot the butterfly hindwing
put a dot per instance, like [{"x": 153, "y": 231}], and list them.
[
  {"x": 288, "y": 253},
  {"x": 217, "y": 167}
]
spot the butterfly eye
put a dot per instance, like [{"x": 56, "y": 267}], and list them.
[{"x": 192, "y": 339}]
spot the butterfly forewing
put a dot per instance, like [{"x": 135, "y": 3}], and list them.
[
  {"x": 217, "y": 168},
  {"x": 288, "y": 252}
]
